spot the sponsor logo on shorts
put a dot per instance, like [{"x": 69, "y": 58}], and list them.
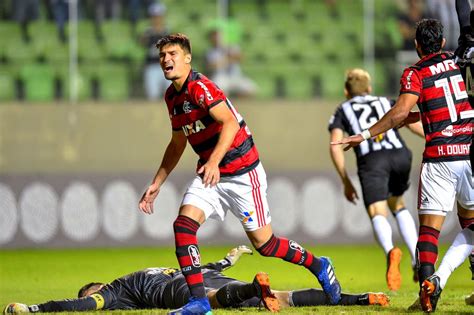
[
  {"x": 248, "y": 216},
  {"x": 195, "y": 256}
]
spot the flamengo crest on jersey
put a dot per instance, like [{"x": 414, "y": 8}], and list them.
[
  {"x": 189, "y": 111},
  {"x": 443, "y": 102},
  {"x": 361, "y": 112}
]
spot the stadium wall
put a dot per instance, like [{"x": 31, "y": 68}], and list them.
[{"x": 71, "y": 176}]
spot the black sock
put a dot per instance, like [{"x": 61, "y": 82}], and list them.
[
  {"x": 308, "y": 297},
  {"x": 234, "y": 293},
  {"x": 315, "y": 297}
]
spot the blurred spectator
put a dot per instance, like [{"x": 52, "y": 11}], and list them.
[
  {"x": 25, "y": 11},
  {"x": 223, "y": 67},
  {"x": 154, "y": 80},
  {"x": 107, "y": 9},
  {"x": 332, "y": 8},
  {"x": 135, "y": 11},
  {"x": 60, "y": 9},
  {"x": 445, "y": 11},
  {"x": 407, "y": 18},
  {"x": 411, "y": 12},
  {"x": 102, "y": 10}
]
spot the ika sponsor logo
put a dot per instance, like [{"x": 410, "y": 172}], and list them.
[
  {"x": 187, "y": 107},
  {"x": 194, "y": 255},
  {"x": 452, "y": 131},
  {"x": 193, "y": 128},
  {"x": 206, "y": 91}
]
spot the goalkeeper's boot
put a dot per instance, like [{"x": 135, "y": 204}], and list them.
[
  {"x": 234, "y": 255},
  {"x": 327, "y": 279},
  {"x": 470, "y": 299},
  {"x": 393, "y": 276},
  {"x": 430, "y": 293},
  {"x": 262, "y": 285},
  {"x": 16, "y": 308},
  {"x": 195, "y": 306},
  {"x": 378, "y": 298}
]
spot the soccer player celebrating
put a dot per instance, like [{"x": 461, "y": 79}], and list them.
[
  {"x": 383, "y": 165},
  {"x": 435, "y": 84},
  {"x": 229, "y": 176}
]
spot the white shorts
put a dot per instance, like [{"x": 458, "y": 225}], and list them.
[
  {"x": 443, "y": 183},
  {"x": 244, "y": 195}
]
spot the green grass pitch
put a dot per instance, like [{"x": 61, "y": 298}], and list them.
[{"x": 34, "y": 276}]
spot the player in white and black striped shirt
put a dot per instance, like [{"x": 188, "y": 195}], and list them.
[{"x": 383, "y": 165}]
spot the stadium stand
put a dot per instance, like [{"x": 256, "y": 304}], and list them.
[{"x": 292, "y": 49}]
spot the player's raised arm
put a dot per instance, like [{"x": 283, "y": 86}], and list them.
[
  {"x": 173, "y": 153},
  {"x": 223, "y": 115}
]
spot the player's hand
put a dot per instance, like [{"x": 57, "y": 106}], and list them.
[
  {"x": 234, "y": 254},
  {"x": 350, "y": 192},
  {"x": 210, "y": 174},
  {"x": 146, "y": 201},
  {"x": 351, "y": 141}
]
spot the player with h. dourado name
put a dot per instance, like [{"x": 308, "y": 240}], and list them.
[{"x": 436, "y": 85}]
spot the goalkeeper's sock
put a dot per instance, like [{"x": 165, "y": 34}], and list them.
[
  {"x": 315, "y": 297},
  {"x": 187, "y": 252},
  {"x": 234, "y": 293},
  {"x": 290, "y": 251}
]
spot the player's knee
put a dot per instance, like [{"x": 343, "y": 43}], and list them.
[
  {"x": 267, "y": 248},
  {"x": 185, "y": 224}
]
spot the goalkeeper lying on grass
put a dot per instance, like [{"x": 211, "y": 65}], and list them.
[{"x": 166, "y": 288}]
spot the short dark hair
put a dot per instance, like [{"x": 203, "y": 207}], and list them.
[
  {"x": 429, "y": 35},
  {"x": 179, "y": 39},
  {"x": 82, "y": 291}
]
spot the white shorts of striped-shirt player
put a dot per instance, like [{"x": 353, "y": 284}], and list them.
[
  {"x": 244, "y": 195},
  {"x": 444, "y": 183}
]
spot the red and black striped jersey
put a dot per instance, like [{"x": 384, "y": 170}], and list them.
[
  {"x": 442, "y": 100},
  {"x": 189, "y": 111}
]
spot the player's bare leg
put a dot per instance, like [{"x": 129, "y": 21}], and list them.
[{"x": 269, "y": 245}]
